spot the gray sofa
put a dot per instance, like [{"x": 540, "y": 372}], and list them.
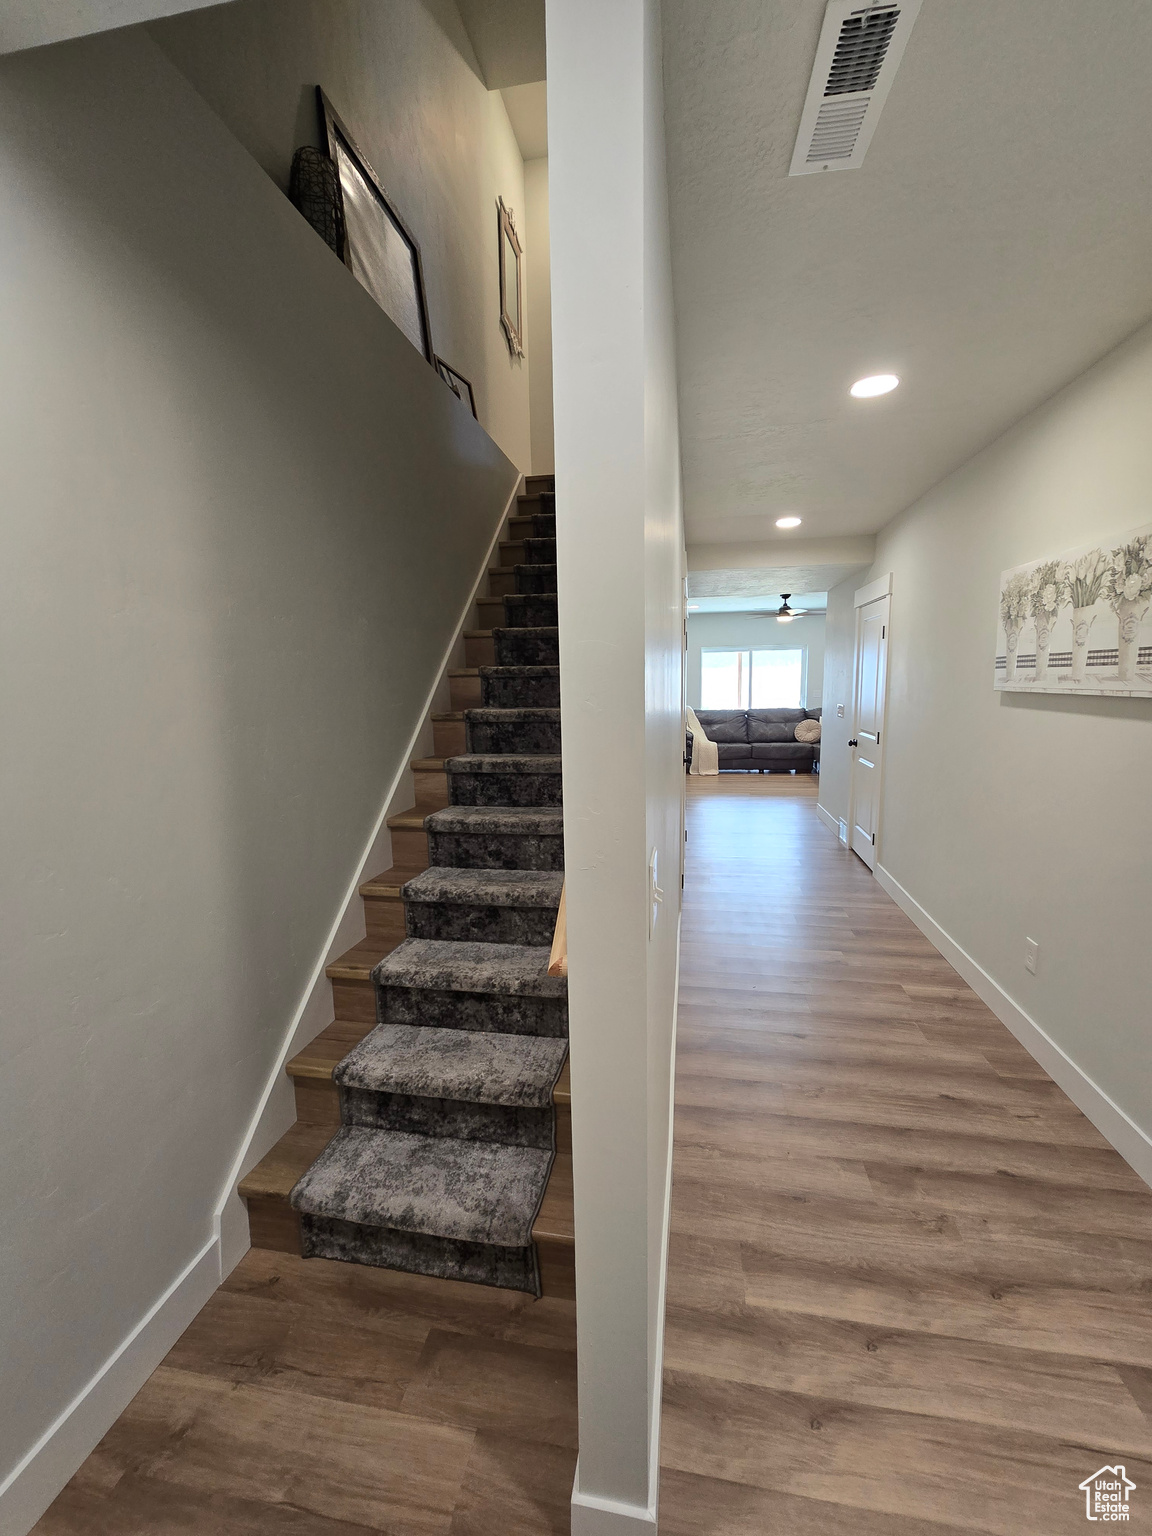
[{"x": 763, "y": 739}]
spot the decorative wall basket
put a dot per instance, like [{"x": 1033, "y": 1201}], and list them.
[{"x": 315, "y": 189}]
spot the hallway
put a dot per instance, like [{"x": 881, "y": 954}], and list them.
[{"x": 910, "y": 1286}]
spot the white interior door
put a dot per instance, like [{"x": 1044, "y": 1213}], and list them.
[{"x": 867, "y": 726}]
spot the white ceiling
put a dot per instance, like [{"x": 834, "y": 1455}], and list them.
[{"x": 996, "y": 241}]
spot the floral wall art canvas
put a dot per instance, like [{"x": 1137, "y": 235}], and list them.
[{"x": 1079, "y": 623}]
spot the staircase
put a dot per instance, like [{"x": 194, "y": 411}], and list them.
[{"x": 433, "y": 1128}]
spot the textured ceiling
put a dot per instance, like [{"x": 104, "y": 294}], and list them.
[
  {"x": 742, "y": 584},
  {"x": 997, "y": 240}
]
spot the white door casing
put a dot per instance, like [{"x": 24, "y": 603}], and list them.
[{"x": 867, "y": 743}]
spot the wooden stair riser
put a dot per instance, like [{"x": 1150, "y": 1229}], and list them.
[
  {"x": 409, "y": 848},
  {"x": 318, "y": 1103},
  {"x": 466, "y": 692},
  {"x": 447, "y": 739},
  {"x": 272, "y": 1223},
  {"x": 431, "y": 792},
  {"x": 557, "y": 1269},
  {"x": 354, "y": 1001},
  {"x": 535, "y": 484},
  {"x": 490, "y": 612},
  {"x": 479, "y": 651},
  {"x": 501, "y": 582},
  {"x": 384, "y": 917}
]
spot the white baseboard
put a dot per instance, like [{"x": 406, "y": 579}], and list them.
[
  {"x": 606, "y": 1517},
  {"x": 829, "y": 820},
  {"x": 1133, "y": 1145},
  {"x": 32, "y": 1485}
]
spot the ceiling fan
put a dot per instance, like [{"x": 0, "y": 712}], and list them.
[{"x": 786, "y": 613}]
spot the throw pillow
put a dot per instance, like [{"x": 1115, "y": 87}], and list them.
[{"x": 808, "y": 730}]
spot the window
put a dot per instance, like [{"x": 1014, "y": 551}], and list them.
[{"x": 760, "y": 679}]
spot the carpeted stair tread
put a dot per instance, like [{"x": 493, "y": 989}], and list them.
[
  {"x": 516, "y": 672},
  {"x": 499, "y": 820},
  {"x": 512, "y": 731},
  {"x": 487, "y": 714},
  {"x": 529, "y": 610},
  {"x": 498, "y": 836},
  {"x": 473, "y": 1191},
  {"x": 517, "y": 970},
  {"x": 513, "y": 1070},
  {"x": 526, "y": 645},
  {"x": 519, "y": 687},
  {"x": 486, "y": 887},
  {"x": 491, "y": 762},
  {"x": 535, "y": 578}
]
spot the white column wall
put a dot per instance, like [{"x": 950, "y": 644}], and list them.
[{"x": 620, "y": 554}]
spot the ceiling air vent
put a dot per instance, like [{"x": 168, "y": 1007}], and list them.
[{"x": 857, "y": 56}]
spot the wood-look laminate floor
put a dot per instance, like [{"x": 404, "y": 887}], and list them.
[
  {"x": 312, "y": 1398},
  {"x": 910, "y": 1286}
]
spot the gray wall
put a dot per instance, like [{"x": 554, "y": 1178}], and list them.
[
  {"x": 1007, "y": 816},
  {"x": 408, "y": 87},
  {"x": 538, "y": 334},
  {"x": 240, "y": 518},
  {"x": 745, "y": 630}
]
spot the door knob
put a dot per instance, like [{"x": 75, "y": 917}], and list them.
[{"x": 853, "y": 742}]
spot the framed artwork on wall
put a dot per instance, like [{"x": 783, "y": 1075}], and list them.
[
  {"x": 457, "y": 383},
  {"x": 511, "y": 281},
  {"x": 378, "y": 247},
  {"x": 1078, "y": 622}
]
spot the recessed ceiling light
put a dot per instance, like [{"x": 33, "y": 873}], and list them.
[
  {"x": 787, "y": 522},
  {"x": 877, "y": 384}
]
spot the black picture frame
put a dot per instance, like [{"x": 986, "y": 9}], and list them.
[
  {"x": 511, "y": 282},
  {"x": 378, "y": 247},
  {"x": 457, "y": 383}
]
